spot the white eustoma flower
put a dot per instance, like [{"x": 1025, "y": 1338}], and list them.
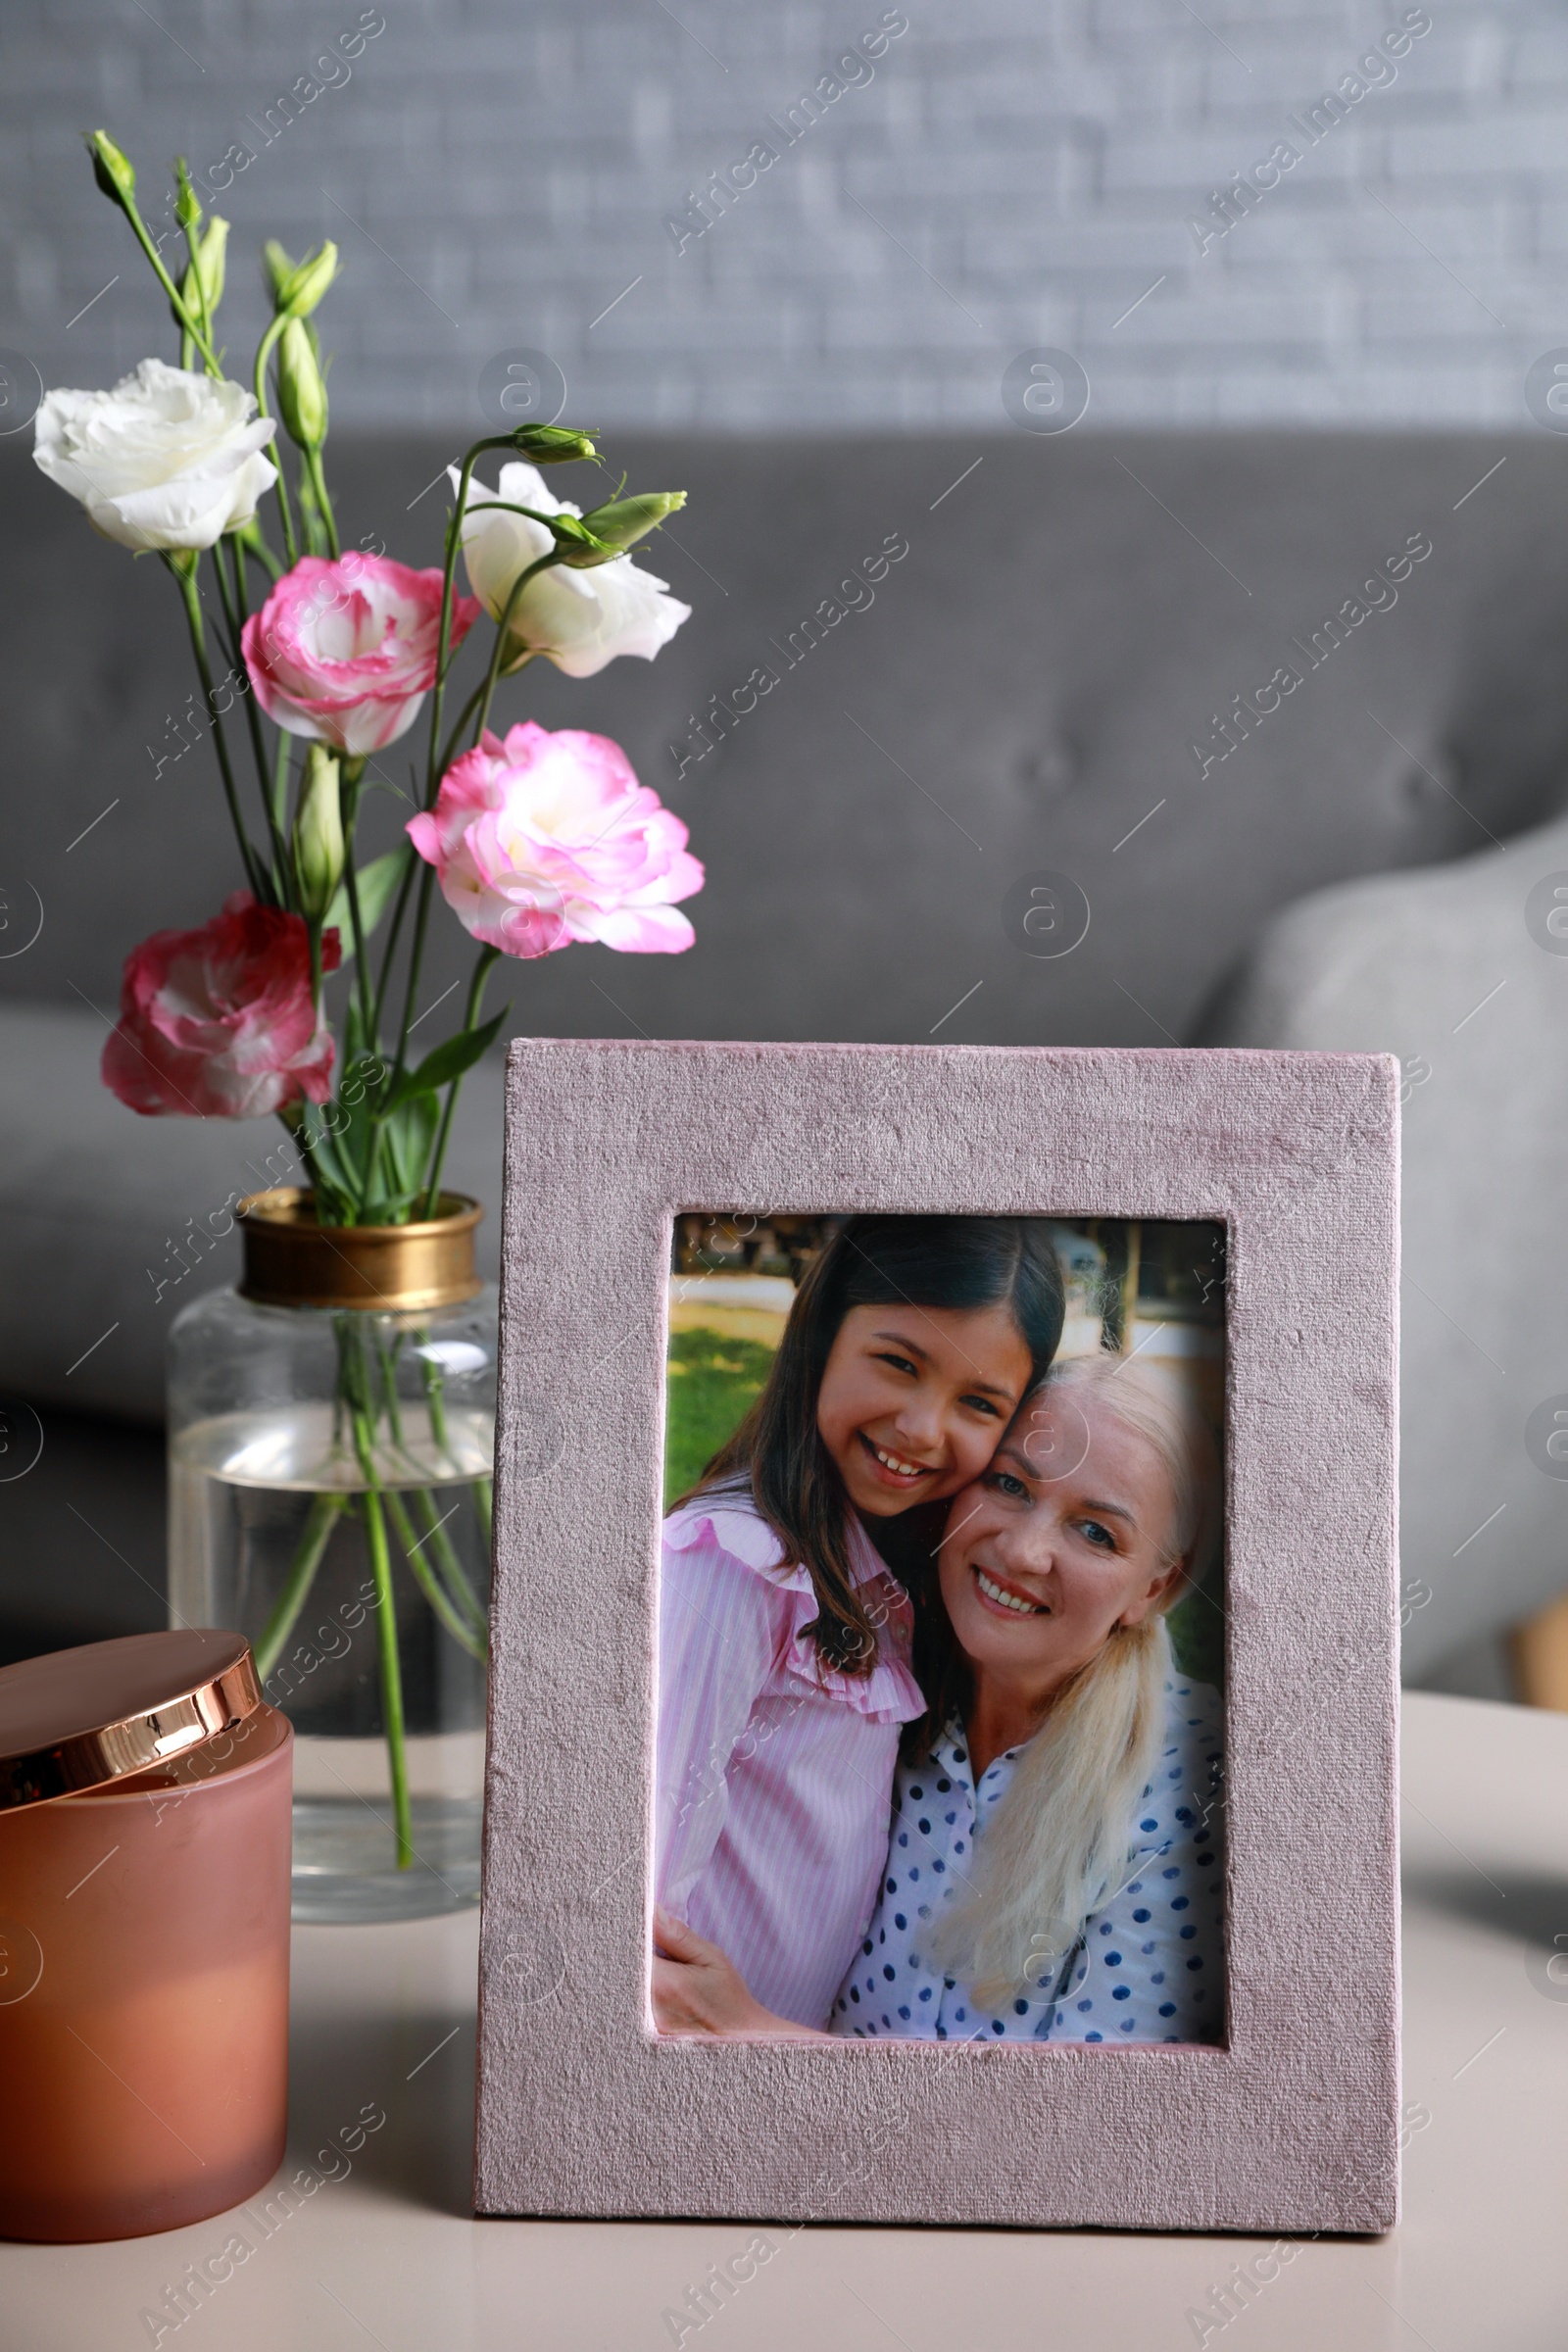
[
  {"x": 578, "y": 619},
  {"x": 168, "y": 460}
]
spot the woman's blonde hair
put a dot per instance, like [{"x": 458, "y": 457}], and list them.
[{"x": 1057, "y": 1846}]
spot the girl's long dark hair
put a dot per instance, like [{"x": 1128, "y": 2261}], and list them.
[{"x": 776, "y": 1454}]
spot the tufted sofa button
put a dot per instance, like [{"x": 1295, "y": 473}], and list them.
[{"x": 1050, "y": 768}]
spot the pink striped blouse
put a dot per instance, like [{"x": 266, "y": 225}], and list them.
[{"x": 775, "y": 1773}]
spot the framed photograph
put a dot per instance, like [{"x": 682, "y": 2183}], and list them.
[{"x": 943, "y": 1717}]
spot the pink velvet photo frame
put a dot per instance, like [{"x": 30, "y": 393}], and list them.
[{"x": 583, "y": 2110}]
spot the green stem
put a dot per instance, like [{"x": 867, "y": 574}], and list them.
[
  {"x": 484, "y": 1505},
  {"x": 448, "y": 1564},
  {"x": 423, "y": 1576},
  {"x": 233, "y": 604},
  {"x": 387, "y": 1360},
  {"x": 452, "y": 1568},
  {"x": 255, "y": 546},
  {"x": 443, "y": 643},
  {"x": 190, "y": 326},
  {"x": 421, "y": 920},
  {"x": 433, "y": 772},
  {"x": 485, "y": 958},
  {"x": 392, "y": 1717},
  {"x": 411, "y": 859},
  {"x": 241, "y": 605},
  {"x": 312, "y": 465},
  {"x": 349, "y": 802},
  {"x": 349, "y": 807},
  {"x": 451, "y": 1571},
  {"x": 434, "y": 1398},
  {"x": 237, "y": 542},
  {"x": 189, "y": 212},
  {"x": 449, "y": 1567},
  {"x": 324, "y": 1513},
  {"x": 449, "y": 750},
  {"x": 445, "y": 1586},
  {"x": 198, "y": 644},
  {"x": 263, "y": 352},
  {"x": 281, "y": 768},
  {"x": 196, "y": 271},
  {"x": 291, "y": 1119},
  {"x": 493, "y": 675}
]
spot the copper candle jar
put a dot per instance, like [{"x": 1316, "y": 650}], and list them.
[{"x": 144, "y": 1914}]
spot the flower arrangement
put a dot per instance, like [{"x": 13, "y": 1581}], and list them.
[{"x": 535, "y": 840}]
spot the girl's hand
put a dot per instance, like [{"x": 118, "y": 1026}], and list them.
[{"x": 698, "y": 1990}]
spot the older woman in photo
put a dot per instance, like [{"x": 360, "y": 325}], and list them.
[{"x": 1052, "y": 1871}]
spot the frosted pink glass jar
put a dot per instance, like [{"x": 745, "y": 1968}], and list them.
[{"x": 144, "y": 1914}]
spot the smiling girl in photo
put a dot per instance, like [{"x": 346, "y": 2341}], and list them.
[{"x": 784, "y": 1659}]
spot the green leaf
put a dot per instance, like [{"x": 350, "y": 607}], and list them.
[
  {"x": 357, "y": 1046},
  {"x": 447, "y": 1061},
  {"x": 363, "y": 1071},
  {"x": 407, "y": 1137},
  {"x": 391, "y": 1208},
  {"x": 331, "y": 1181},
  {"x": 379, "y": 882}
]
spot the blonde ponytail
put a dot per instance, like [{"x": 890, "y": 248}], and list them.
[{"x": 1055, "y": 1848}]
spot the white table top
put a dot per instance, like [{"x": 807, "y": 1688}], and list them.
[{"x": 383, "y": 2018}]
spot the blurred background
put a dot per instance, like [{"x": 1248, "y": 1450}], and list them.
[{"x": 1129, "y": 440}]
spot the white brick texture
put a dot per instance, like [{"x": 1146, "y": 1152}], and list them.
[{"x": 1002, "y": 174}]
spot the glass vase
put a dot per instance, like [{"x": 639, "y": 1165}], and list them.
[{"x": 331, "y": 1431}]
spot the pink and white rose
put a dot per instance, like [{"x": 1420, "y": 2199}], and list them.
[
  {"x": 168, "y": 460},
  {"x": 218, "y": 1023},
  {"x": 345, "y": 652},
  {"x": 540, "y": 840},
  {"x": 580, "y": 620}
]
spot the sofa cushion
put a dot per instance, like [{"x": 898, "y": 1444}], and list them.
[
  {"x": 1444, "y": 969},
  {"x": 1022, "y": 690}
]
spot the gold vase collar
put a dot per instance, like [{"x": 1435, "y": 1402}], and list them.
[{"x": 290, "y": 1261}]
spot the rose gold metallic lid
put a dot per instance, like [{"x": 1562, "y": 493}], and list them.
[
  {"x": 79, "y": 1718},
  {"x": 292, "y": 1261}
]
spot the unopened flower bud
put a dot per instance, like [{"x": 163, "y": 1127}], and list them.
[
  {"x": 298, "y": 286},
  {"x": 318, "y": 834},
  {"x": 623, "y": 521},
  {"x": 187, "y": 203},
  {"x": 210, "y": 254},
  {"x": 552, "y": 444},
  {"x": 301, "y": 391},
  {"x": 577, "y": 545},
  {"x": 111, "y": 169},
  {"x": 211, "y": 257}
]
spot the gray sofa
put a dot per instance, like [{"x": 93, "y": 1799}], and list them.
[{"x": 989, "y": 657}]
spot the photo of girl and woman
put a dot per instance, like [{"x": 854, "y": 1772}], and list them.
[{"x": 939, "y": 1710}]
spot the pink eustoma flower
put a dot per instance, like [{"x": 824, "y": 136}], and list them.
[
  {"x": 218, "y": 1023},
  {"x": 344, "y": 653},
  {"x": 540, "y": 840}
]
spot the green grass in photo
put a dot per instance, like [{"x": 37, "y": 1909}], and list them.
[
  {"x": 711, "y": 1384},
  {"x": 1198, "y": 1630}
]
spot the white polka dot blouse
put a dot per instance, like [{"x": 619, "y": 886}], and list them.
[{"x": 1148, "y": 1967}]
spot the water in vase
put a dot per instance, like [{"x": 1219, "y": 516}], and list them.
[{"x": 271, "y": 1534}]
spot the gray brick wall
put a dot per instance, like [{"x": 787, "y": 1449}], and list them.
[{"x": 1013, "y": 174}]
